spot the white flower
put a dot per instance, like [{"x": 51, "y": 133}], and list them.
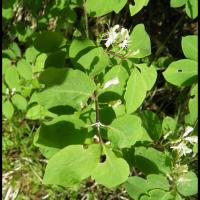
[
  {"x": 7, "y": 90},
  {"x": 188, "y": 130},
  {"x": 81, "y": 104},
  {"x": 121, "y": 38},
  {"x": 123, "y": 44},
  {"x": 182, "y": 149},
  {"x": 124, "y": 38},
  {"x": 124, "y": 34},
  {"x": 112, "y": 35},
  {"x": 113, "y": 81},
  {"x": 13, "y": 91},
  {"x": 192, "y": 139}
]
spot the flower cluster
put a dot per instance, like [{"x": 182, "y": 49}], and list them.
[
  {"x": 181, "y": 146},
  {"x": 118, "y": 37}
]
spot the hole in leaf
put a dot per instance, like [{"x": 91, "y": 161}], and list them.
[
  {"x": 180, "y": 70},
  {"x": 102, "y": 158},
  {"x": 85, "y": 146},
  {"x": 192, "y": 97}
]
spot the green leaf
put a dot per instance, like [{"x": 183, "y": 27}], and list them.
[
  {"x": 62, "y": 88},
  {"x": 136, "y": 186},
  {"x": 151, "y": 161},
  {"x": 8, "y": 109},
  {"x": 190, "y": 45},
  {"x": 12, "y": 77},
  {"x": 187, "y": 185},
  {"x": 161, "y": 195},
  {"x": 144, "y": 197},
  {"x": 6, "y": 63},
  {"x": 112, "y": 172},
  {"x": 90, "y": 57},
  {"x": 19, "y": 101},
  {"x": 181, "y": 73},
  {"x": 119, "y": 110},
  {"x": 7, "y": 13},
  {"x": 7, "y": 3},
  {"x": 149, "y": 74},
  {"x": 139, "y": 4},
  {"x": 192, "y": 8},
  {"x": 177, "y": 3},
  {"x": 39, "y": 63},
  {"x": 62, "y": 131},
  {"x": 102, "y": 7},
  {"x": 195, "y": 148},
  {"x": 193, "y": 106},
  {"x": 56, "y": 59},
  {"x": 151, "y": 123},
  {"x": 16, "y": 49},
  {"x": 125, "y": 131},
  {"x": 79, "y": 47},
  {"x": 135, "y": 91},
  {"x": 49, "y": 41},
  {"x": 31, "y": 54},
  {"x": 140, "y": 44},
  {"x": 115, "y": 80},
  {"x": 71, "y": 165},
  {"x": 24, "y": 69},
  {"x": 168, "y": 124},
  {"x": 38, "y": 112},
  {"x": 157, "y": 181}
]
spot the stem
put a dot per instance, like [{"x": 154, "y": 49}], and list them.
[
  {"x": 86, "y": 19},
  {"x": 97, "y": 117}
]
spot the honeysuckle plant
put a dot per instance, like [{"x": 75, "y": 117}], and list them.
[{"x": 89, "y": 95}]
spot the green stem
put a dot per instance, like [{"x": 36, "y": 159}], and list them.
[{"x": 97, "y": 117}]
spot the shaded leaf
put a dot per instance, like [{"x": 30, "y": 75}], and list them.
[
  {"x": 49, "y": 41},
  {"x": 62, "y": 88}
]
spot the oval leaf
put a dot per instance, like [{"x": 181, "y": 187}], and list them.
[
  {"x": 190, "y": 45},
  {"x": 140, "y": 45},
  {"x": 187, "y": 184},
  {"x": 24, "y": 69},
  {"x": 181, "y": 73},
  {"x": 135, "y": 91},
  {"x": 192, "y": 8},
  {"x": 20, "y": 102},
  {"x": 8, "y": 109}
]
